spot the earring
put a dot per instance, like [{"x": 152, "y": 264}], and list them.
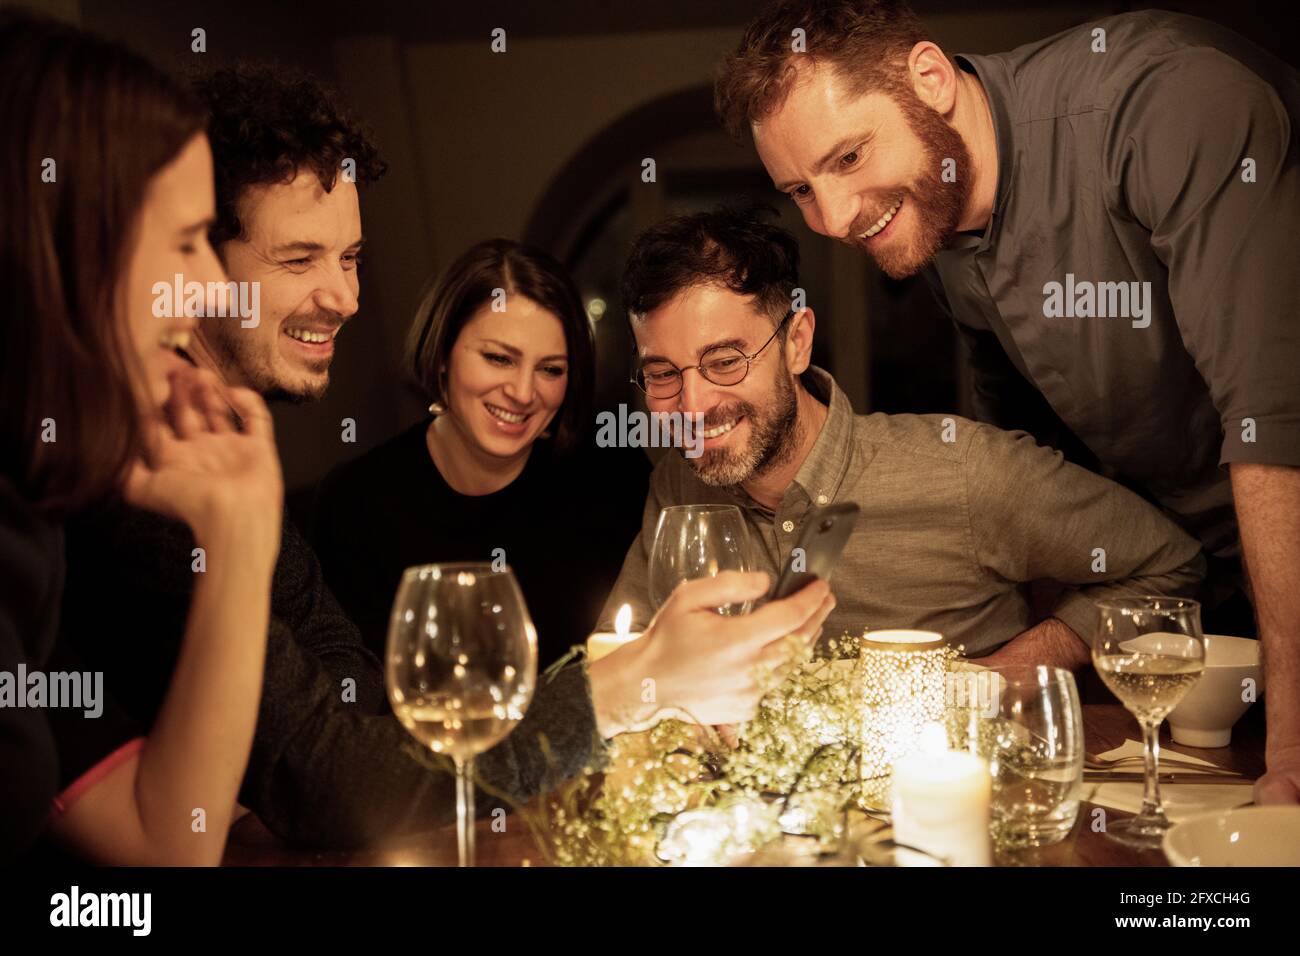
[{"x": 436, "y": 407}]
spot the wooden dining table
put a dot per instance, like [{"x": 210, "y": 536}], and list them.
[{"x": 509, "y": 842}]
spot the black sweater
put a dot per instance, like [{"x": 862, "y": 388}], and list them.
[
  {"x": 31, "y": 578},
  {"x": 563, "y": 526},
  {"x": 45, "y": 744},
  {"x": 323, "y": 771}
]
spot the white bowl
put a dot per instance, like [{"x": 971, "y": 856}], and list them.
[
  {"x": 1245, "y": 836},
  {"x": 1204, "y": 718}
]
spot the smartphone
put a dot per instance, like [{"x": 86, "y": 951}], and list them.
[{"x": 820, "y": 544}]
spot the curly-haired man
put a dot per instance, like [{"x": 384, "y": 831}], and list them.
[{"x": 287, "y": 163}]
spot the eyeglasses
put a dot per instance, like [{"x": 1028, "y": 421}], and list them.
[{"x": 724, "y": 365}]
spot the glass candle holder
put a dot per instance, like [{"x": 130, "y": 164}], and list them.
[{"x": 901, "y": 678}]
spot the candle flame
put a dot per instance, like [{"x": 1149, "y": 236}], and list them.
[{"x": 623, "y": 621}]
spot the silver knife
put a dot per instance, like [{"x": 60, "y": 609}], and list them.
[{"x": 1105, "y": 776}]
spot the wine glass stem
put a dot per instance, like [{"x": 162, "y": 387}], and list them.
[
  {"x": 465, "y": 810},
  {"x": 1151, "y": 806}
]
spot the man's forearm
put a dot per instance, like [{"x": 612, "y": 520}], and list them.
[
  {"x": 1268, "y": 513},
  {"x": 327, "y": 773},
  {"x": 1052, "y": 643}
]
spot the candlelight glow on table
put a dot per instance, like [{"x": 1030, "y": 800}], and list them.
[
  {"x": 817, "y": 754},
  {"x": 902, "y": 678},
  {"x": 941, "y": 802},
  {"x": 602, "y": 643}
]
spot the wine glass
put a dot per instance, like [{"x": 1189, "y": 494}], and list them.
[
  {"x": 460, "y": 667},
  {"x": 1149, "y": 651},
  {"x": 697, "y": 541}
]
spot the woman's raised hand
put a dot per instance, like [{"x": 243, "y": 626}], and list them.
[{"x": 219, "y": 476}]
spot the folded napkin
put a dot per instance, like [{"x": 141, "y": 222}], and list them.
[{"x": 1181, "y": 800}]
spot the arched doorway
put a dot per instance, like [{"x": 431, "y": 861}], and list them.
[
  {"x": 594, "y": 207},
  {"x": 598, "y": 202}
]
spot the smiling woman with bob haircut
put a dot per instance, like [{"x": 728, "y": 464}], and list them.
[{"x": 503, "y": 466}]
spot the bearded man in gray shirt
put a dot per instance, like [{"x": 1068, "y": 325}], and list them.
[
  {"x": 1107, "y": 214},
  {"x": 957, "y": 517}
]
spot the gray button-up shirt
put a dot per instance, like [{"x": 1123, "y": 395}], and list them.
[
  {"x": 1169, "y": 159},
  {"x": 956, "y": 516}
]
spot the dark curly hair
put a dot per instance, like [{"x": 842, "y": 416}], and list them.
[
  {"x": 734, "y": 248},
  {"x": 267, "y": 124}
]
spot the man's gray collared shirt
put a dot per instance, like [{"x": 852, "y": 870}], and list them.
[
  {"x": 1156, "y": 162},
  {"x": 955, "y": 517}
]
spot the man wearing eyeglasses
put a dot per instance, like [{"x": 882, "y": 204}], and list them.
[{"x": 957, "y": 518}]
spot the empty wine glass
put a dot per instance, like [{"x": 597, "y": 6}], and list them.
[
  {"x": 460, "y": 667},
  {"x": 697, "y": 541},
  {"x": 1149, "y": 651}
]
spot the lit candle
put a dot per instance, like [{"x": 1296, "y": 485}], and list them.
[
  {"x": 941, "y": 802},
  {"x": 603, "y": 642},
  {"x": 901, "y": 677}
]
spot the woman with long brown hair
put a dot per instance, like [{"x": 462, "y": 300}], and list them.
[{"x": 109, "y": 191}]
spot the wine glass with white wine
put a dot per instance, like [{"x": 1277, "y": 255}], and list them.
[
  {"x": 1149, "y": 651},
  {"x": 460, "y": 667},
  {"x": 697, "y": 541}
]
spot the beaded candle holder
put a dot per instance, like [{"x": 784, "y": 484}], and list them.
[{"x": 901, "y": 678}]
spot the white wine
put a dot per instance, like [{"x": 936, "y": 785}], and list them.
[
  {"x": 1150, "y": 685},
  {"x": 454, "y": 724}
]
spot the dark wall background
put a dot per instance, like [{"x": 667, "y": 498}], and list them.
[{"x": 545, "y": 142}]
